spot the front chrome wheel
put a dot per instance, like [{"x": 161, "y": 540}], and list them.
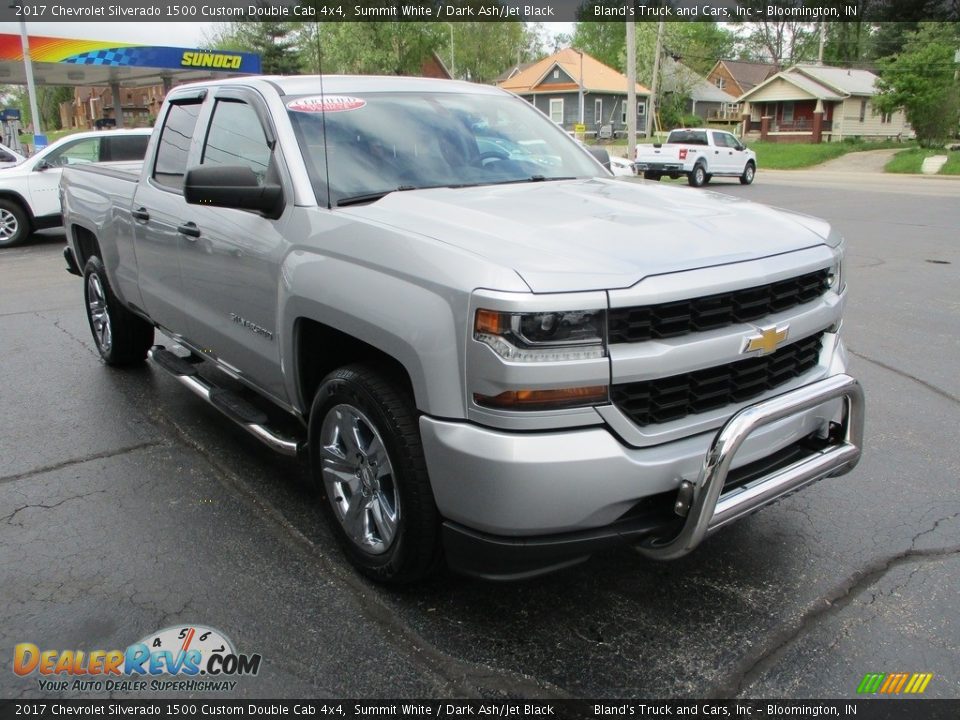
[
  {"x": 359, "y": 479},
  {"x": 99, "y": 313},
  {"x": 9, "y": 226}
]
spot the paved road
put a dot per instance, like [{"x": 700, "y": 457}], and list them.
[{"x": 127, "y": 506}]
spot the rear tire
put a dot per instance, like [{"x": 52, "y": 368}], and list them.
[
  {"x": 14, "y": 223},
  {"x": 366, "y": 457},
  {"x": 697, "y": 176},
  {"x": 749, "y": 173},
  {"x": 655, "y": 176},
  {"x": 121, "y": 337}
]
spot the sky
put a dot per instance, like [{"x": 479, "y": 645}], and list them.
[{"x": 175, "y": 34}]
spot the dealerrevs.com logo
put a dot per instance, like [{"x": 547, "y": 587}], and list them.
[{"x": 179, "y": 659}]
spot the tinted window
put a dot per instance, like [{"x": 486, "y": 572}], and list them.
[
  {"x": 6, "y": 157},
  {"x": 688, "y": 137},
  {"x": 174, "y": 144},
  {"x": 123, "y": 147},
  {"x": 236, "y": 138},
  {"x": 77, "y": 153}
]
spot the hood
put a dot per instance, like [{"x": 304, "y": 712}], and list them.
[{"x": 578, "y": 235}]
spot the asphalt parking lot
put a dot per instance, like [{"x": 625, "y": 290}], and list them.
[{"x": 127, "y": 506}]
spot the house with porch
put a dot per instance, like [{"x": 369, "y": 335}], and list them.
[
  {"x": 559, "y": 83},
  {"x": 818, "y": 103}
]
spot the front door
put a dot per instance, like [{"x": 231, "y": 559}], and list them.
[{"x": 231, "y": 259}]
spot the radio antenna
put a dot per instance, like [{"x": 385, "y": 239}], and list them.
[{"x": 323, "y": 112}]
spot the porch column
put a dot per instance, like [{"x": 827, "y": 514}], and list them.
[
  {"x": 764, "y": 126},
  {"x": 818, "y": 122},
  {"x": 117, "y": 103}
]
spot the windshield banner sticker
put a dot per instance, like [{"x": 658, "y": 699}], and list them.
[{"x": 326, "y": 103}]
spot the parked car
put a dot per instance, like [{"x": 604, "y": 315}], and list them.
[
  {"x": 9, "y": 158},
  {"x": 699, "y": 153},
  {"x": 30, "y": 191},
  {"x": 621, "y": 167},
  {"x": 490, "y": 363}
]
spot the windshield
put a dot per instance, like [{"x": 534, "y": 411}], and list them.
[{"x": 380, "y": 142}]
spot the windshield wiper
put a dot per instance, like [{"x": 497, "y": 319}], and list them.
[{"x": 371, "y": 197}]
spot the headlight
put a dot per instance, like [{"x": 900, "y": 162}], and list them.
[
  {"x": 835, "y": 279},
  {"x": 542, "y": 336}
]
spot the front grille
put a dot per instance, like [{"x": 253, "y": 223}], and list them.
[
  {"x": 635, "y": 324},
  {"x": 651, "y": 402}
]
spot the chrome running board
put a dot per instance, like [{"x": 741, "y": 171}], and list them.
[{"x": 231, "y": 405}]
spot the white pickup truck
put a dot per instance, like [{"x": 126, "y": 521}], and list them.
[
  {"x": 699, "y": 153},
  {"x": 30, "y": 191}
]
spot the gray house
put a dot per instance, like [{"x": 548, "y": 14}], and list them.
[{"x": 556, "y": 83}]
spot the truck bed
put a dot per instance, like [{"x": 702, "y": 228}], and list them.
[{"x": 128, "y": 170}]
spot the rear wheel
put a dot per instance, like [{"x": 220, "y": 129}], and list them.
[
  {"x": 367, "y": 457},
  {"x": 749, "y": 172},
  {"x": 650, "y": 175},
  {"x": 14, "y": 223},
  {"x": 121, "y": 337},
  {"x": 697, "y": 176}
]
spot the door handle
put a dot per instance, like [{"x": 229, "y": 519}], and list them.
[
  {"x": 189, "y": 229},
  {"x": 141, "y": 214}
]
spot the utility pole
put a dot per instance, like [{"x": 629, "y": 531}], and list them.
[
  {"x": 653, "y": 105},
  {"x": 631, "y": 90},
  {"x": 823, "y": 40},
  {"x": 38, "y": 136},
  {"x": 581, "y": 86},
  {"x": 453, "y": 57}
]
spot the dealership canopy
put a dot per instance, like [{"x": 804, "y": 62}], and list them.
[{"x": 68, "y": 61}]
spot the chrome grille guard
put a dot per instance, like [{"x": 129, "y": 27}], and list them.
[{"x": 709, "y": 511}]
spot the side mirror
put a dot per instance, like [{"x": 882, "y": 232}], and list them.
[
  {"x": 232, "y": 186},
  {"x": 602, "y": 156},
  {"x": 43, "y": 165}
]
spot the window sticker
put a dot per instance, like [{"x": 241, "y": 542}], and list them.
[{"x": 326, "y": 103}]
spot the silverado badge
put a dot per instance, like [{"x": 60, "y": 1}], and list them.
[{"x": 767, "y": 341}]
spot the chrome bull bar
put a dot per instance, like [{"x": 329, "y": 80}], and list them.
[{"x": 709, "y": 511}]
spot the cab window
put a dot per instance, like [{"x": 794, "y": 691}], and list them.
[{"x": 236, "y": 137}]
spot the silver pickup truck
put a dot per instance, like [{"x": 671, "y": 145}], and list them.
[{"x": 505, "y": 361}]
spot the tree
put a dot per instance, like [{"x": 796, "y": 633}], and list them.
[
  {"x": 275, "y": 42},
  {"x": 484, "y": 49},
  {"x": 370, "y": 48},
  {"x": 781, "y": 42},
  {"x": 921, "y": 81},
  {"x": 49, "y": 98}
]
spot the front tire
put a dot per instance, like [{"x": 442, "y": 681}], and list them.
[
  {"x": 749, "y": 173},
  {"x": 367, "y": 458},
  {"x": 14, "y": 223},
  {"x": 121, "y": 337},
  {"x": 697, "y": 176}
]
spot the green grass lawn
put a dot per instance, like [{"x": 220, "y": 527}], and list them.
[
  {"x": 52, "y": 136},
  {"x": 911, "y": 161},
  {"x": 792, "y": 156},
  {"x": 953, "y": 164}
]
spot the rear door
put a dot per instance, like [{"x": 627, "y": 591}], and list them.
[
  {"x": 231, "y": 258},
  {"x": 158, "y": 212}
]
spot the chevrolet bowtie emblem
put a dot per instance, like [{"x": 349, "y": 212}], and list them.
[{"x": 767, "y": 341}]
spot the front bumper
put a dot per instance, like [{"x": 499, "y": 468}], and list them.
[{"x": 553, "y": 498}]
